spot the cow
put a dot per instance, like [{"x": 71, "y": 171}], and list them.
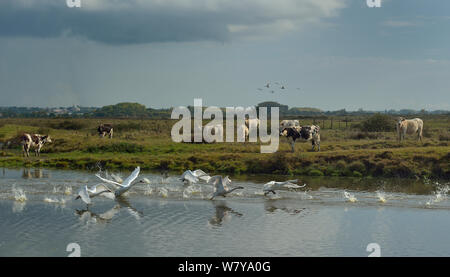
[
  {"x": 303, "y": 133},
  {"x": 410, "y": 127},
  {"x": 289, "y": 123},
  {"x": 104, "y": 129},
  {"x": 36, "y": 141}
]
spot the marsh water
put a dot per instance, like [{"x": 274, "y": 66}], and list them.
[{"x": 39, "y": 216}]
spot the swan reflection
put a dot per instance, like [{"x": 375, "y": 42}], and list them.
[
  {"x": 222, "y": 213},
  {"x": 272, "y": 206},
  {"x": 105, "y": 217}
]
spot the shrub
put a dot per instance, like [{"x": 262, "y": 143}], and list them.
[
  {"x": 68, "y": 125},
  {"x": 315, "y": 172},
  {"x": 378, "y": 123},
  {"x": 357, "y": 174},
  {"x": 341, "y": 165},
  {"x": 357, "y": 166}
]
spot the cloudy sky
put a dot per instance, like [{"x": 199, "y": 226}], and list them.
[{"x": 163, "y": 53}]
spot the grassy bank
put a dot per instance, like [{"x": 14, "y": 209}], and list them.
[{"x": 345, "y": 151}]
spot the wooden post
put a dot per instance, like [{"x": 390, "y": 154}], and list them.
[{"x": 331, "y": 123}]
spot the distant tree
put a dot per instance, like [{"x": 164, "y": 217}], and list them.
[
  {"x": 122, "y": 110},
  {"x": 378, "y": 123}
]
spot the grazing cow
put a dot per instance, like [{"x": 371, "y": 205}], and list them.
[
  {"x": 410, "y": 127},
  {"x": 288, "y": 124},
  {"x": 104, "y": 129},
  {"x": 36, "y": 141},
  {"x": 304, "y": 133}
]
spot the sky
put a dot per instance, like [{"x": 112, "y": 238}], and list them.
[{"x": 329, "y": 54}]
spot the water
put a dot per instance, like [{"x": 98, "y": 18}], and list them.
[{"x": 39, "y": 217}]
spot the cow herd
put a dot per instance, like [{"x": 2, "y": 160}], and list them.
[{"x": 291, "y": 129}]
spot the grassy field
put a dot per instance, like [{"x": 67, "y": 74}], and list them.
[{"x": 345, "y": 151}]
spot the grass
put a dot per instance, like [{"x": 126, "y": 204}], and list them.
[{"x": 147, "y": 143}]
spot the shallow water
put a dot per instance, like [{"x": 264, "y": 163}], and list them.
[{"x": 329, "y": 217}]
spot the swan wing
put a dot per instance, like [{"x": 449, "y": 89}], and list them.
[
  {"x": 99, "y": 189},
  {"x": 117, "y": 178},
  {"x": 225, "y": 182},
  {"x": 205, "y": 178},
  {"x": 190, "y": 178},
  {"x": 108, "y": 181},
  {"x": 127, "y": 182},
  {"x": 199, "y": 173},
  {"x": 84, "y": 195},
  {"x": 216, "y": 181},
  {"x": 186, "y": 173}
]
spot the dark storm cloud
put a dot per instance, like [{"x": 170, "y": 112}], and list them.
[
  {"x": 109, "y": 26},
  {"x": 135, "y": 21}
]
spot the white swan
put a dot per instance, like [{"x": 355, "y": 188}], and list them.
[
  {"x": 287, "y": 185},
  {"x": 86, "y": 193},
  {"x": 220, "y": 186},
  {"x": 192, "y": 177},
  {"x": 127, "y": 183}
]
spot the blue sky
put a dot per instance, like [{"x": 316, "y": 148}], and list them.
[{"x": 340, "y": 54}]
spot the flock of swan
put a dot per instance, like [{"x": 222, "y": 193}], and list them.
[{"x": 219, "y": 183}]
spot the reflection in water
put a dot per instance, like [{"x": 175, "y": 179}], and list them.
[
  {"x": 273, "y": 206},
  {"x": 87, "y": 215},
  {"x": 222, "y": 213},
  {"x": 36, "y": 173}
]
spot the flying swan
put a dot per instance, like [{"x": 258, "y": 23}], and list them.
[
  {"x": 86, "y": 193},
  {"x": 220, "y": 186},
  {"x": 271, "y": 186},
  {"x": 126, "y": 184}
]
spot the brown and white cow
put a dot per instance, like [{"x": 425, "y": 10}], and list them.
[
  {"x": 304, "y": 133},
  {"x": 34, "y": 140},
  {"x": 105, "y": 129},
  {"x": 410, "y": 127}
]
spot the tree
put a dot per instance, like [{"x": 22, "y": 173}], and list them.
[{"x": 378, "y": 123}]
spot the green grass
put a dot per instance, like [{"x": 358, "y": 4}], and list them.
[{"x": 147, "y": 143}]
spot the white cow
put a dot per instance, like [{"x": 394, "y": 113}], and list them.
[{"x": 410, "y": 127}]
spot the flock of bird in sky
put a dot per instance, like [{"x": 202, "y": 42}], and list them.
[
  {"x": 219, "y": 183},
  {"x": 273, "y": 87}
]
